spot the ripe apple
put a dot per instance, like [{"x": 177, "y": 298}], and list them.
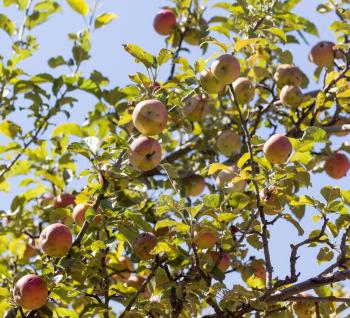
[
  {"x": 56, "y": 240},
  {"x": 291, "y": 95},
  {"x": 304, "y": 309},
  {"x": 164, "y": 22},
  {"x": 30, "y": 292},
  {"x": 194, "y": 185},
  {"x": 323, "y": 54},
  {"x": 337, "y": 165},
  {"x": 288, "y": 74},
  {"x": 226, "y": 69},
  {"x": 210, "y": 83},
  {"x": 79, "y": 213},
  {"x": 195, "y": 108},
  {"x": 259, "y": 269},
  {"x": 63, "y": 200},
  {"x": 46, "y": 199},
  {"x": 144, "y": 244},
  {"x": 225, "y": 260},
  {"x": 228, "y": 143},
  {"x": 150, "y": 117},
  {"x": 224, "y": 180},
  {"x": 205, "y": 237},
  {"x": 244, "y": 90},
  {"x": 145, "y": 153},
  {"x": 277, "y": 149},
  {"x": 269, "y": 198},
  {"x": 124, "y": 265}
]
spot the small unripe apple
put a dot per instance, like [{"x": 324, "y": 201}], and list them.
[
  {"x": 259, "y": 269},
  {"x": 337, "y": 165},
  {"x": 277, "y": 149},
  {"x": 224, "y": 180},
  {"x": 205, "y": 237},
  {"x": 222, "y": 261},
  {"x": 291, "y": 95},
  {"x": 145, "y": 153},
  {"x": 194, "y": 185},
  {"x": 269, "y": 198},
  {"x": 193, "y": 36},
  {"x": 79, "y": 213},
  {"x": 210, "y": 83},
  {"x": 226, "y": 69},
  {"x": 195, "y": 108},
  {"x": 244, "y": 90},
  {"x": 46, "y": 199},
  {"x": 164, "y": 22},
  {"x": 150, "y": 117},
  {"x": 30, "y": 292},
  {"x": 228, "y": 143},
  {"x": 144, "y": 244},
  {"x": 124, "y": 265},
  {"x": 136, "y": 282},
  {"x": 323, "y": 54},
  {"x": 288, "y": 74},
  {"x": 304, "y": 309},
  {"x": 63, "y": 200},
  {"x": 56, "y": 240}
]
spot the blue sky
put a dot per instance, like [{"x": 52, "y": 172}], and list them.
[{"x": 134, "y": 25}]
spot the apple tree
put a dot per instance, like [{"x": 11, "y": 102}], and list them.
[{"x": 182, "y": 178}]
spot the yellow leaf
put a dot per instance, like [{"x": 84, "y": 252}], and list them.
[
  {"x": 243, "y": 43},
  {"x": 79, "y": 6},
  {"x": 216, "y": 167}
]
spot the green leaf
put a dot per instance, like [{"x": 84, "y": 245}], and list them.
[
  {"x": 7, "y": 25},
  {"x": 279, "y": 33},
  {"x": 79, "y": 6},
  {"x": 330, "y": 194},
  {"x": 139, "y": 54},
  {"x": 104, "y": 19},
  {"x": 296, "y": 223},
  {"x": 315, "y": 134},
  {"x": 164, "y": 56},
  {"x": 10, "y": 129},
  {"x": 67, "y": 129}
]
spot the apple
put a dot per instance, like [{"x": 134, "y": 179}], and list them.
[
  {"x": 228, "y": 143},
  {"x": 150, "y": 117},
  {"x": 323, "y": 54},
  {"x": 193, "y": 36},
  {"x": 79, "y": 213},
  {"x": 136, "y": 282},
  {"x": 210, "y": 83},
  {"x": 194, "y": 185},
  {"x": 304, "y": 309},
  {"x": 56, "y": 240},
  {"x": 124, "y": 265},
  {"x": 30, "y": 292},
  {"x": 269, "y": 198},
  {"x": 277, "y": 149},
  {"x": 224, "y": 180},
  {"x": 205, "y": 237},
  {"x": 288, "y": 74},
  {"x": 226, "y": 69},
  {"x": 259, "y": 269},
  {"x": 291, "y": 95},
  {"x": 144, "y": 244},
  {"x": 221, "y": 260},
  {"x": 195, "y": 108},
  {"x": 145, "y": 153},
  {"x": 63, "y": 200},
  {"x": 164, "y": 22},
  {"x": 46, "y": 199},
  {"x": 244, "y": 90},
  {"x": 30, "y": 250},
  {"x": 337, "y": 165}
]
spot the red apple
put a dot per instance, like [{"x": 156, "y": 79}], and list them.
[
  {"x": 323, "y": 54},
  {"x": 288, "y": 74},
  {"x": 337, "y": 165},
  {"x": 277, "y": 149},
  {"x": 291, "y": 95},
  {"x": 46, "y": 199},
  {"x": 63, "y": 200},
  {"x": 195, "y": 108},
  {"x": 56, "y": 240},
  {"x": 194, "y": 185},
  {"x": 79, "y": 213},
  {"x": 259, "y": 269},
  {"x": 165, "y": 22},
  {"x": 222, "y": 261},
  {"x": 30, "y": 292},
  {"x": 144, "y": 244},
  {"x": 244, "y": 90},
  {"x": 228, "y": 143},
  {"x": 224, "y": 180},
  {"x": 269, "y": 198},
  {"x": 205, "y": 237}
]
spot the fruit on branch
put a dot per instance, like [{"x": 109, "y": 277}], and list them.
[
  {"x": 63, "y": 200},
  {"x": 337, "y": 165},
  {"x": 258, "y": 268},
  {"x": 46, "y": 199},
  {"x": 228, "y": 143},
  {"x": 144, "y": 244},
  {"x": 195, "y": 108},
  {"x": 304, "y": 309},
  {"x": 125, "y": 266},
  {"x": 210, "y": 83},
  {"x": 220, "y": 260},
  {"x": 244, "y": 90},
  {"x": 194, "y": 185},
  {"x": 225, "y": 180},
  {"x": 205, "y": 237},
  {"x": 291, "y": 95},
  {"x": 30, "y": 292},
  {"x": 288, "y": 74},
  {"x": 153, "y": 87},
  {"x": 323, "y": 54},
  {"x": 269, "y": 197},
  {"x": 150, "y": 117},
  {"x": 136, "y": 282},
  {"x": 340, "y": 122},
  {"x": 226, "y": 69},
  {"x": 145, "y": 153},
  {"x": 79, "y": 213},
  {"x": 164, "y": 22},
  {"x": 56, "y": 240},
  {"x": 194, "y": 34},
  {"x": 277, "y": 149}
]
